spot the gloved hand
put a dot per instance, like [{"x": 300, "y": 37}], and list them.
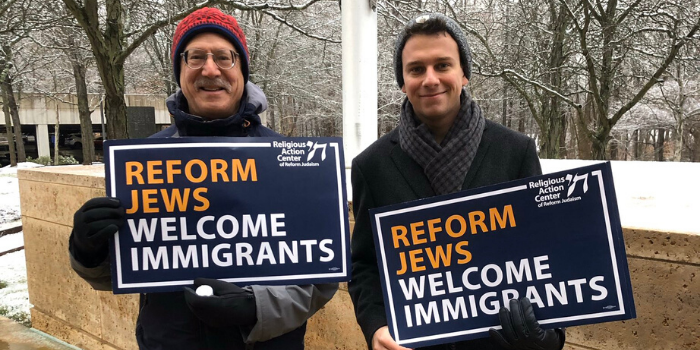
[
  {"x": 521, "y": 331},
  {"x": 93, "y": 224},
  {"x": 230, "y": 306}
]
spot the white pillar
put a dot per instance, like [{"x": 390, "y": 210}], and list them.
[
  {"x": 359, "y": 76},
  {"x": 42, "y": 140}
]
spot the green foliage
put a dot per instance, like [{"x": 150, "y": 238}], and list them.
[
  {"x": 62, "y": 160},
  {"x": 21, "y": 317},
  {"x": 3, "y": 284},
  {"x": 44, "y": 160},
  {"x": 67, "y": 160}
]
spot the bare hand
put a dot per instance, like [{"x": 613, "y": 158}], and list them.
[{"x": 382, "y": 340}]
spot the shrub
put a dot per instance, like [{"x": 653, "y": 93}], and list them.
[
  {"x": 67, "y": 160},
  {"x": 22, "y": 318},
  {"x": 62, "y": 160},
  {"x": 43, "y": 160}
]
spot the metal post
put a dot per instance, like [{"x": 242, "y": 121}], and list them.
[
  {"x": 102, "y": 118},
  {"x": 359, "y": 76}
]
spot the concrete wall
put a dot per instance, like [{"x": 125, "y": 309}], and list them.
[
  {"x": 664, "y": 268},
  {"x": 36, "y": 109}
]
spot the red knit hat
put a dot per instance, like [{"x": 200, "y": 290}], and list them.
[{"x": 209, "y": 20}]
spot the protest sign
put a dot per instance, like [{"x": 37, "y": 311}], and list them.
[
  {"x": 244, "y": 210},
  {"x": 449, "y": 263}
]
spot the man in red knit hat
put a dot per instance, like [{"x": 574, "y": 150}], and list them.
[{"x": 210, "y": 61}]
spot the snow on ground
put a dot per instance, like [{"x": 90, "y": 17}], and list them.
[
  {"x": 11, "y": 241},
  {"x": 14, "y": 297},
  {"x": 9, "y": 192}
]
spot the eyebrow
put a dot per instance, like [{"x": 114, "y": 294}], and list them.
[
  {"x": 212, "y": 50},
  {"x": 439, "y": 59}
]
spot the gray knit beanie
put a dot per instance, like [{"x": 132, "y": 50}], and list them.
[{"x": 450, "y": 26}]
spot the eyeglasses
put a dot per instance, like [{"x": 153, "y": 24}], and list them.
[{"x": 196, "y": 58}]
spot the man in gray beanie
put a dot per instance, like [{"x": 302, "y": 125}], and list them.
[{"x": 443, "y": 144}]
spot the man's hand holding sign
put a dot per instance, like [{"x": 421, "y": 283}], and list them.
[
  {"x": 521, "y": 331},
  {"x": 94, "y": 224},
  {"x": 226, "y": 299}
]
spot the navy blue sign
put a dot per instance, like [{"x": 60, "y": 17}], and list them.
[
  {"x": 449, "y": 263},
  {"x": 243, "y": 210}
]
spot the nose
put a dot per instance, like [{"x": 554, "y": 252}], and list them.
[
  {"x": 210, "y": 69},
  {"x": 431, "y": 78}
]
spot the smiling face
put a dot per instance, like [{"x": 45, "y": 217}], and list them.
[
  {"x": 433, "y": 79},
  {"x": 212, "y": 92}
]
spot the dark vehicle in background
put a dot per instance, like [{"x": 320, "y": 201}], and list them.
[
  {"x": 98, "y": 142},
  {"x": 4, "y": 150},
  {"x": 74, "y": 141}
]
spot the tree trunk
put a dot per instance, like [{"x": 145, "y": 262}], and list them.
[
  {"x": 550, "y": 136},
  {"x": 695, "y": 157},
  {"x": 649, "y": 139},
  {"x": 678, "y": 139},
  {"x": 553, "y": 125},
  {"x": 585, "y": 147},
  {"x": 115, "y": 106},
  {"x": 8, "y": 129},
  {"x": 614, "y": 147},
  {"x": 680, "y": 117},
  {"x": 634, "y": 144},
  {"x": 56, "y": 134},
  {"x": 521, "y": 125},
  {"x": 563, "y": 151},
  {"x": 599, "y": 145},
  {"x": 659, "y": 144},
  {"x": 625, "y": 143},
  {"x": 572, "y": 145},
  {"x": 84, "y": 112},
  {"x": 504, "y": 110},
  {"x": 9, "y": 100}
]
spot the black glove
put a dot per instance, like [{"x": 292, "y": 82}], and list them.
[
  {"x": 521, "y": 330},
  {"x": 93, "y": 224},
  {"x": 230, "y": 306}
]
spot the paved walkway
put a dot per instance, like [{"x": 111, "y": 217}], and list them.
[{"x": 14, "y": 336}]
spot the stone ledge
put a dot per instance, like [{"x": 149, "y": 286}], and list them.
[
  {"x": 67, "y": 332},
  {"x": 668, "y": 311},
  {"x": 19, "y": 337},
  {"x": 91, "y": 176},
  {"x": 677, "y": 247}
]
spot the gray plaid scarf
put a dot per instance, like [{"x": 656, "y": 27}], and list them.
[{"x": 447, "y": 164}]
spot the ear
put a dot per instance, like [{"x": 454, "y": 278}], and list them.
[
  {"x": 403, "y": 88},
  {"x": 465, "y": 81}
]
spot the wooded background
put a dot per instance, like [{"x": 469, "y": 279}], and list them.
[{"x": 587, "y": 79}]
